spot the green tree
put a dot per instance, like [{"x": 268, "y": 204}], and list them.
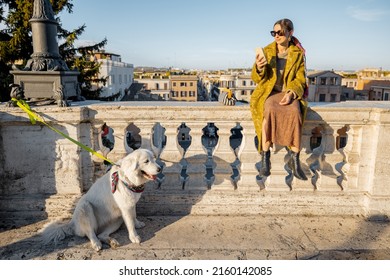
[
  {"x": 89, "y": 70},
  {"x": 16, "y": 44}
]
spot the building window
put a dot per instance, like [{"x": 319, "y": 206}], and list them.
[
  {"x": 243, "y": 83},
  {"x": 333, "y": 81},
  {"x": 323, "y": 81},
  {"x": 322, "y": 97},
  {"x": 333, "y": 98},
  {"x": 174, "y": 84},
  {"x": 183, "y": 84},
  {"x": 191, "y": 84},
  {"x": 183, "y": 94},
  {"x": 165, "y": 86},
  {"x": 157, "y": 86}
]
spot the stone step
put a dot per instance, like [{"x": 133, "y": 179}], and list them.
[{"x": 211, "y": 202}]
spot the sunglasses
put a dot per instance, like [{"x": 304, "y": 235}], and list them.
[{"x": 279, "y": 33}]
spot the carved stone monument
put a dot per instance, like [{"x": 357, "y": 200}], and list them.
[{"x": 46, "y": 75}]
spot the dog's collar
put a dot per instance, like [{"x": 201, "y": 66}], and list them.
[{"x": 130, "y": 186}]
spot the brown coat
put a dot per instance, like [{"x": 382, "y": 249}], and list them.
[{"x": 294, "y": 79}]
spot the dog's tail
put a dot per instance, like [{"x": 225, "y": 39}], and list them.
[{"x": 56, "y": 231}]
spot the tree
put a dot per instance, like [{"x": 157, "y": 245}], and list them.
[
  {"x": 89, "y": 70},
  {"x": 16, "y": 43}
]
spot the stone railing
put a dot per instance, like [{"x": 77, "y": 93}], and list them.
[{"x": 209, "y": 159}]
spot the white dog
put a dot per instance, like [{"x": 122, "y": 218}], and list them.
[{"x": 109, "y": 202}]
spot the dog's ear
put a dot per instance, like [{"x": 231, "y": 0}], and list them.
[
  {"x": 130, "y": 163},
  {"x": 133, "y": 164}
]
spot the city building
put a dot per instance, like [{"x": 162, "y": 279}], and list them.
[
  {"x": 368, "y": 77},
  {"x": 240, "y": 82},
  {"x": 378, "y": 92},
  {"x": 156, "y": 86},
  {"x": 184, "y": 87},
  {"x": 244, "y": 87},
  {"x": 324, "y": 86},
  {"x": 119, "y": 75}
]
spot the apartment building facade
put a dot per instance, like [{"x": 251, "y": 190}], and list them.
[
  {"x": 240, "y": 83},
  {"x": 184, "y": 88},
  {"x": 119, "y": 75},
  {"x": 367, "y": 76},
  {"x": 156, "y": 86},
  {"x": 325, "y": 86},
  {"x": 380, "y": 92},
  {"x": 244, "y": 87}
]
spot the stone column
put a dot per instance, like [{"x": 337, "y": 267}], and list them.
[{"x": 46, "y": 75}]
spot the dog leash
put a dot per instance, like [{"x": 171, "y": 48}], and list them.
[{"x": 34, "y": 117}]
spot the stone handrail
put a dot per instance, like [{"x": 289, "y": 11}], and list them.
[{"x": 344, "y": 156}]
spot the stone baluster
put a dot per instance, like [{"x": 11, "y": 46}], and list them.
[
  {"x": 223, "y": 157},
  {"x": 171, "y": 155},
  {"x": 249, "y": 157},
  {"x": 334, "y": 157},
  {"x": 306, "y": 157},
  {"x": 330, "y": 157},
  {"x": 280, "y": 179},
  {"x": 146, "y": 134},
  {"x": 196, "y": 158},
  {"x": 315, "y": 160},
  {"x": 349, "y": 167},
  {"x": 96, "y": 142}
]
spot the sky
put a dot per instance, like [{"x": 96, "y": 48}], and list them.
[{"x": 221, "y": 34}]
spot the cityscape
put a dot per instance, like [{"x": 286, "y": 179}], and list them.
[{"x": 126, "y": 82}]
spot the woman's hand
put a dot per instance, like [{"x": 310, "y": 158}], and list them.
[
  {"x": 287, "y": 98},
  {"x": 260, "y": 62}
]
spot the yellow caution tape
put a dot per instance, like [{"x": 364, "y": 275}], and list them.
[{"x": 35, "y": 117}]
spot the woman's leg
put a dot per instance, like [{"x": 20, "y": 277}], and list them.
[
  {"x": 295, "y": 164},
  {"x": 265, "y": 145},
  {"x": 265, "y": 153}
]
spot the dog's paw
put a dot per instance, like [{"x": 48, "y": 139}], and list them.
[
  {"x": 139, "y": 224},
  {"x": 96, "y": 245},
  {"x": 135, "y": 239},
  {"x": 113, "y": 243}
]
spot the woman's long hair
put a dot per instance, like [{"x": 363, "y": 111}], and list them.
[{"x": 287, "y": 25}]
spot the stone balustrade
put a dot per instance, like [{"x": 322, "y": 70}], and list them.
[{"x": 209, "y": 158}]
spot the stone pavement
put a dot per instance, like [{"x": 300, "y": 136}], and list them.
[{"x": 218, "y": 238}]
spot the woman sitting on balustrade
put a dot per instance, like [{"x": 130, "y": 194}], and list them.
[{"x": 278, "y": 103}]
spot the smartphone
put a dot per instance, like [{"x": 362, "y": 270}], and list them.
[{"x": 260, "y": 52}]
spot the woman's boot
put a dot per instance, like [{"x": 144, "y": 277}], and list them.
[
  {"x": 296, "y": 166},
  {"x": 265, "y": 163}
]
